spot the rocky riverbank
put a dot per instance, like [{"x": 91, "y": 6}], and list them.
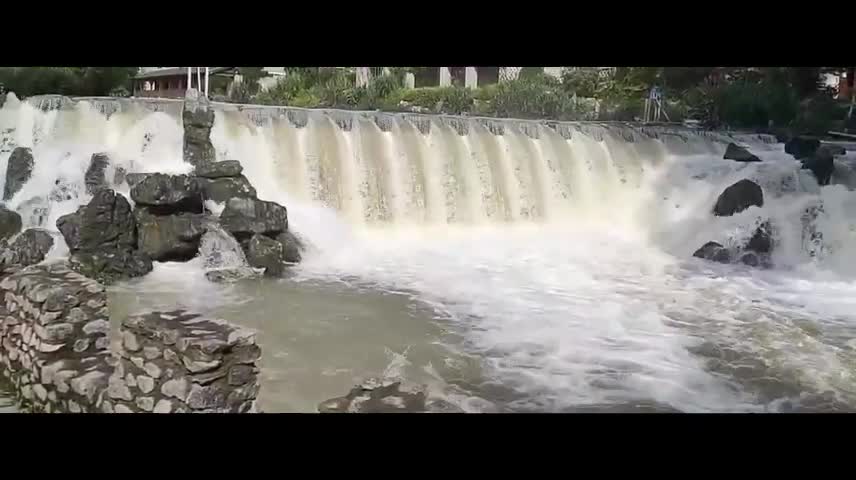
[{"x": 815, "y": 157}]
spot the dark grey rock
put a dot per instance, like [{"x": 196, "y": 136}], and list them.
[
  {"x": 714, "y": 252},
  {"x": 226, "y": 168},
  {"x": 762, "y": 239},
  {"x": 95, "y": 178},
  {"x": 264, "y": 252},
  {"x": 105, "y": 223},
  {"x": 197, "y": 119},
  {"x": 739, "y": 154},
  {"x": 241, "y": 374},
  {"x": 210, "y": 396},
  {"x": 29, "y": 248},
  {"x": 227, "y": 275},
  {"x": 738, "y": 197},
  {"x": 244, "y": 217},
  {"x": 169, "y": 237},
  {"x": 132, "y": 179},
  {"x": 292, "y": 246},
  {"x": 165, "y": 194},
  {"x": 222, "y": 189},
  {"x": 802, "y": 147},
  {"x": 821, "y": 163},
  {"x": 751, "y": 259},
  {"x": 110, "y": 266},
  {"x": 18, "y": 171},
  {"x": 10, "y": 223},
  {"x": 69, "y": 227}
]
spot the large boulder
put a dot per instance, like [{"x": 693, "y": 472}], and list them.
[
  {"x": 109, "y": 266},
  {"x": 102, "y": 237},
  {"x": 10, "y": 223},
  {"x": 107, "y": 222},
  {"x": 738, "y": 197},
  {"x": 821, "y": 163},
  {"x": 18, "y": 171},
  {"x": 714, "y": 252},
  {"x": 245, "y": 217},
  {"x": 166, "y": 194},
  {"x": 802, "y": 147},
  {"x": 197, "y": 118},
  {"x": 264, "y": 252},
  {"x": 95, "y": 178},
  {"x": 739, "y": 154},
  {"x": 29, "y": 248},
  {"x": 291, "y": 246},
  {"x": 169, "y": 237},
  {"x": 222, "y": 189},
  {"x": 226, "y": 168}
]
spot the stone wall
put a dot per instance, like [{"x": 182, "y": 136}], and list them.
[
  {"x": 179, "y": 362},
  {"x": 54, "y": 342},
  {"x": 55, "y": 350}
]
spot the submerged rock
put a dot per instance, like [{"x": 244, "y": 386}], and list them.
[
  {"x": 244, "y": 217},
  {"x": 739, "y": 154},
  {"x": 227, "y": 275},
  {"x": 264, "y": 252},
  {"x": 226, "y": 168},
  {"x": 802, "y": 147},
  {"x": 95, "y": 178},
  {"x": 10, "y": 223},
  {"x": 222, "y": 189},
  {"x": 169, "y": 237},
  {"x": 18, "y": 171},
  {"x": 168, "y": 193},
  {"x": 821, "y": 163},
  {"x": 714, "y": 252},
  {"x": 738, "y": 197},
  {"x": 375, "y": 396}
]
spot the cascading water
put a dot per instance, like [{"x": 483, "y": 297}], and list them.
[{"x": 557, "y": 255}]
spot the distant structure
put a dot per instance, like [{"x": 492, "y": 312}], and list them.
[{"x": 172, "y": 82}]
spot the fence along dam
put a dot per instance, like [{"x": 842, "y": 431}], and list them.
[{"x": 509, "y": 265}]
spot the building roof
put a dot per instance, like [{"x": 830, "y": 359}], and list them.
[{"x": 175, "y": 71}]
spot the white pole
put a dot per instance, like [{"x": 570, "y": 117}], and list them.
[
  {"x": 199, "y": 79},
  {"x": 206, "y": 81},
  {"x": 189, "y": 78}
]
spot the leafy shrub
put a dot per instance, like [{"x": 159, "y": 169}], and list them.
[
  {"x": 540, "y": 96},
  {"x": 582, "y": 81}
]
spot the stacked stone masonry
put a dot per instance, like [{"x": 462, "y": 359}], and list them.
[{"x": 55, "y": 350}]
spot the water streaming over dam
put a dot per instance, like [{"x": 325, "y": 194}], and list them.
[{"x": 512, "y": 265}]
